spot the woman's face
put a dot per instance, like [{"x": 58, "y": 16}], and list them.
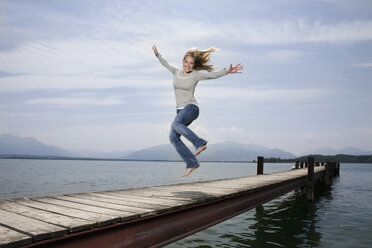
[{"x": 188, "y": 64}]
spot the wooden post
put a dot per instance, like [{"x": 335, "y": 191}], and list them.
[
  {"x": 297, "y": 165},
  {"x": 332, "y": 169},
  {"x": 310, "y": 178},
  {"x": 260, "y": 163},
  {"x": 327, "y": 172}
]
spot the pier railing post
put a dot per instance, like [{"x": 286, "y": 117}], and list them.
[
  {"x": 327, "y": 172},
  {"x": 310, "y": 178},
  {"x": 260, "y": 162}
]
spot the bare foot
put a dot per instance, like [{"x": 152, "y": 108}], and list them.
[
  {"x": 188, "y": 171},
  {"x": 200, "y": 149}
]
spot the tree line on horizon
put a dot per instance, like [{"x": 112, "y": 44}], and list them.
[{"x": 340, "y": 158}]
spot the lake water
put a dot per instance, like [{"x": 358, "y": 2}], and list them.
[{"x": 340, "y": 215}]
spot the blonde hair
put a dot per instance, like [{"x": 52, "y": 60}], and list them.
[{"x": 201, "y": 58}]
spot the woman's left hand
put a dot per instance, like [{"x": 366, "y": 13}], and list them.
[{"x": 235, "y": 69}]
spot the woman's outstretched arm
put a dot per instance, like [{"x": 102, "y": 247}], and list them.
[
  {"x": 163, "y": 61},
  {"x": 220, "y": 73}
]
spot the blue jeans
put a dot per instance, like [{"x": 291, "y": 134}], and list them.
[{"x": 179, "y": 127}]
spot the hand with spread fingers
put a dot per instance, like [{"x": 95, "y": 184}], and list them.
[{"x": 235, "y": 69}]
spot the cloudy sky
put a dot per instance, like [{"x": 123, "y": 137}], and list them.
[{"x": 81, "y": 74}]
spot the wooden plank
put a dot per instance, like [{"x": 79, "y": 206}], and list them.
[
  {"x": 59, "y": 201},
  {"x": 207, "y": 192},
  {"x": 163, "y": 194},
  {"x": 193, "y": 196},
  {"x": 197, "y": 191},
  {"x": 234, "y": 186},
  {"x": 148, "y": 200},
  {"x": 104, "y": 198},
  {"x": 10, "y": 238},
  {"x": 96, "y": 202},
  {"x": 70, "y": 223},
  {"x": 39, "y": 230},
  {"x": 98, "y": 219}
]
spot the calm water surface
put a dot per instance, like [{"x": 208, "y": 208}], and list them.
[{"x": 340, "y": 215}]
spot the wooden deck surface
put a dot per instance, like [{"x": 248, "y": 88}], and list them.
[{"x": 28, "y": 220}]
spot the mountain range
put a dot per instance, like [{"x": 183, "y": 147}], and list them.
[{"x": 226, "y": 151}]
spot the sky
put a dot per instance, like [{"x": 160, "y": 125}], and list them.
[{"x": 82, "y": 75}]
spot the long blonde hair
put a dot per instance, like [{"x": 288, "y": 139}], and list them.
[{"x": 201, "y": 58}]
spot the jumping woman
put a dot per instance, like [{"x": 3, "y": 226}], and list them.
[{"x": 184, "y": 83}]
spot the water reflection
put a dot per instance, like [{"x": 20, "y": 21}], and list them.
[{"x": 289, "y": 221}]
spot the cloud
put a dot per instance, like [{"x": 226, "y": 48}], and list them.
[
  {"x": 77, "y": 101},
  {"x": 363, "y": 65},
  {"x": 300, "y": 31},
  {"x": 21, "y": 117},
  {"x": 261, "y": 95},
  {"x": 71, "y": 57},
  {"x": 244, "y": 30},
  {"x": 41, "y": 82},
  {"x": 284, "y": 56}
]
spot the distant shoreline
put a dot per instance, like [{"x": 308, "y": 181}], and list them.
[{"x": 341, "y": 158}]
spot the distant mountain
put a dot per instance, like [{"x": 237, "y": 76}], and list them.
[
  {"x": 347, "y": 150},
  {"x": 160, "y": 152},
  {"x": 227, "y": 151},
  {"x": 12, "y": 145}
]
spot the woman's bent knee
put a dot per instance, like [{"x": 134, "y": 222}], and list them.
[{"x": 173, "y": 137}]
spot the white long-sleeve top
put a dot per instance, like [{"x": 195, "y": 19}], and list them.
[{"x": 184, "y": 86}]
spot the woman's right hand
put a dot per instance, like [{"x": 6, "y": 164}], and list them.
[{"x": 155, "y": 50}]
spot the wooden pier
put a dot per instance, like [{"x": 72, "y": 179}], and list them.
[{"x": 144, "y": 217}]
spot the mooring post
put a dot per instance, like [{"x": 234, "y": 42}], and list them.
[
  {"x": 297, "y": 164},
  {"x": 333, "y": 169},
  {"x": 327, "y": 172},
  {"x": 310, "y": 178},
  {"x": 260, "y": 163}
]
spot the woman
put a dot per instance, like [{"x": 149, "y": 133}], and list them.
[{"x": 184, "y": 84}]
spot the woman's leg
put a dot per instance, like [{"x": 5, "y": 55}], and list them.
[
  {"x": 184, "y": 118},
  {"x": 179, "y": 127},
  {"x": 182, "y": 150}
]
